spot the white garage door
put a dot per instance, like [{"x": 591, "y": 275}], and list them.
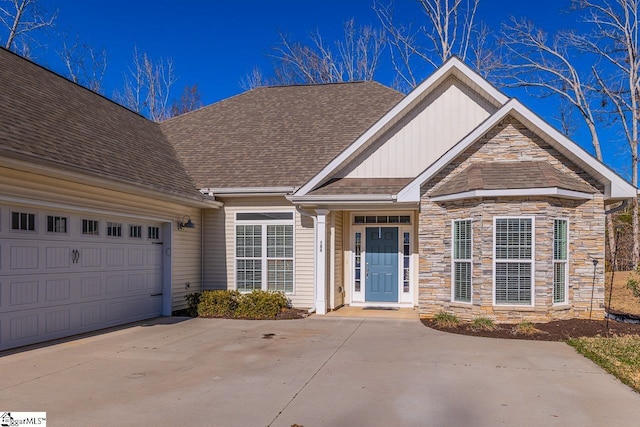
[{"x": 64, "y": 273}]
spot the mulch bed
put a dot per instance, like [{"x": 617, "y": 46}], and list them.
[
  {"x": 292, "y": 313},
  {"x": 561, "y": 330},
  {"x": 285, "y": 314}
]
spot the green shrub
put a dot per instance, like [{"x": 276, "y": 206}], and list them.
[
  {"x": 442, "y": 319},
  {"x": 192, "y": 303},
  {"x": 261, "y": 305},
  {"x": 218, "y": 303},
  {"x": 483, "y": 324}
]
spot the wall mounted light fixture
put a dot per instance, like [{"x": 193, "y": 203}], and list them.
[{"x": 188, "y": 224}]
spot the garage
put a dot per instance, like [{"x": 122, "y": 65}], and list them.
[{"x": 64, "y": 272}]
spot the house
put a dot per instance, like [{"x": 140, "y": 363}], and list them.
[{"x": 452, "y": 198}]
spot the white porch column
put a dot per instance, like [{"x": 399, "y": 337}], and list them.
[{"x": 321, "y": 261}]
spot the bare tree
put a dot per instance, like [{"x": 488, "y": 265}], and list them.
[
  {"x": 20, "y": 18},
  {"x": 450, "y": 29},
  {"x": 147, "y": 86},
  {"x": 545, "y": 66},
  {"x": 189, "y": 100},
  {"x": 614, "y": 40},
  {"x": 84, "y": 64},
  {"x": 355, "y": 57}
]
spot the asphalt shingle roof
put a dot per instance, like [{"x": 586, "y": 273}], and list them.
[
  {"x": 47, "y": 119},
  {"x": 510, "y": 175},
  {"x": 275, "y": 136},
  {"x": 362, "y": 186}
]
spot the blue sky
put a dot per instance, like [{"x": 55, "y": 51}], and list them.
[{"x": 216, "y": 43}]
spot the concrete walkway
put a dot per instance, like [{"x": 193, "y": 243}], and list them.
[
  {"x": 373, "y": 312},
  {"x": 313, "y": 372}
]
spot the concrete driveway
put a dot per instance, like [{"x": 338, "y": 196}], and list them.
[{"x": 313, "y": 372}]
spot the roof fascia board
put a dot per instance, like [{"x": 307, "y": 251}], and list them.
[
  {"x": 342, "y": 198},
  {"x": 110, "y": 184},
  {"x": 616, "y": 187},
  {"x": 453, "y": 66},
  {"x": 524, "y": 192}
]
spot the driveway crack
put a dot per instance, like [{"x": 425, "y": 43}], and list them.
[{"x": 316, "y": 373}]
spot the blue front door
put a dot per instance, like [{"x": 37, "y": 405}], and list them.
[{"x": 381, "y": 268}]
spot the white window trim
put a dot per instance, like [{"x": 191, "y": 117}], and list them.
[
  {"x": 263, "y": 249},
  {"x": 454, "y": 260},
  {"x": 532, "y": 261},
  {"x": 565, "y": 262},
  {"x": 57, "y": 233},
  {"x": 99, "y": 228},
  {"x": 36, "y": 221},
  {"x": 122, "y": 228},
  {"x": 403, "y": 297}
]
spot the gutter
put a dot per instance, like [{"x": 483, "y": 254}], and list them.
[
  {"x": 248, "y": 191},
  {"x": 342, "y": 198},
  {"x": 621, "y": 206}
]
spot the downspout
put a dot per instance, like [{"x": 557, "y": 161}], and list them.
[
  {"x": 621, "y": 206},
  {"x": 201, "y": 250}
]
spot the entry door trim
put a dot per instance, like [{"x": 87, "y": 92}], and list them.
[{"x": 381, "y": 264}]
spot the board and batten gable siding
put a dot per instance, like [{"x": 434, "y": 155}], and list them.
[
  {"x": 424, "y": 135},
  {"x": 186, "y": 247},
  {"x": 219, "y": 244}
]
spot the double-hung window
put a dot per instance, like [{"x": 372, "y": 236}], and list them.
[
  {"x": 560, "y": 261},
  {"x": 264, "y": 251},
  {"x": 461, "y": 263},
  {"x": 513, "y": 262}
]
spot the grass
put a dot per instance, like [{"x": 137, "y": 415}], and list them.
[
  {"x": 445, "y": 320},
  {"x": 622, "y": 299},
  {"x": 483, "y": 324},
  {"x": 525, "y": 328},
  {"x": 618, "y": 355}
]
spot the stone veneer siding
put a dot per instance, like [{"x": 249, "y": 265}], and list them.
[{"x": 511, "y": 141}]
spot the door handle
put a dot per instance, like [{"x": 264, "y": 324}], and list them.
[{"x": 366, "y": 270}]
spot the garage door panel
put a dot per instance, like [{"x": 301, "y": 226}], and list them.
[
  {"x": 91, "y": 315},
  {"x": 115, "y": 257},
  {"x": 90, "y": 257},
  {"x": 115, "y": 284},
  {"x": 23, "y": 257},
  {"x": 91, "y": 286},
  {"x": 57, "y": 257},
  {"x": 154, "y": 256},
  {"x": 56, "y": 284},
  {"x": 58, "y": 290},
  {"x": 57, "y": 321},
  {"x": 135, "y": 257},
  {"x": 23, "y": 292}
]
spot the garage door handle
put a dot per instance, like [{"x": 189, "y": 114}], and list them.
[
  {"x": 156, "y": 295},
  {"x": 75, "y": 256}
]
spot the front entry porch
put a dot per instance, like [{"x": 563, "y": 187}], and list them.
[
  {"x": 371, "y": 260},
  {"x": 376, "y": 313}
]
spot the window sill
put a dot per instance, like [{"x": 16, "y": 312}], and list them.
[
  {"x": 514, "y": 308},
  {"x": 561, "y": 307},
  {"x": 460, "y": 304}
]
